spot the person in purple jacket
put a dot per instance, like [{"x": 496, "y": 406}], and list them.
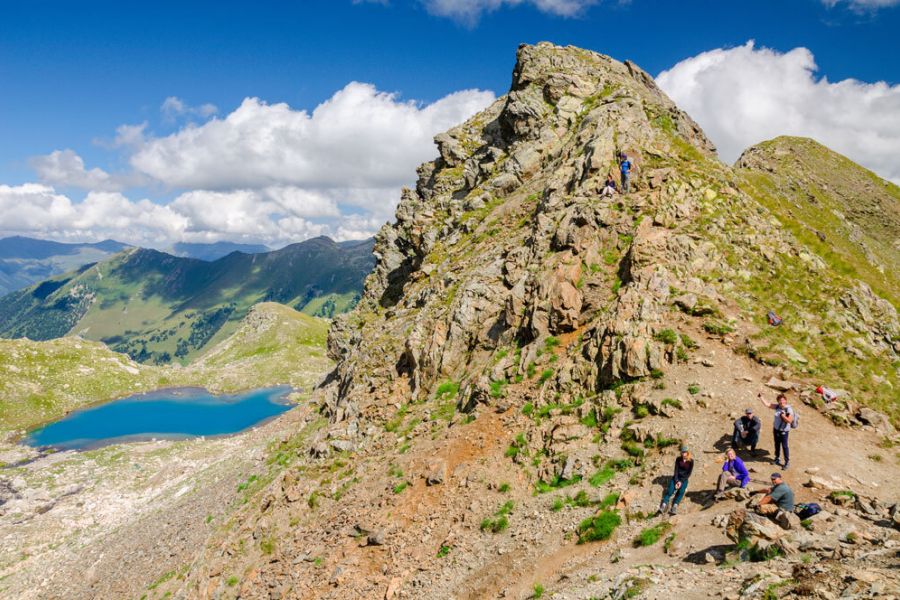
[{"x": 734, "y": 474}]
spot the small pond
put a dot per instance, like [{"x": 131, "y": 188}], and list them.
[{"x": 165, "y": 414}]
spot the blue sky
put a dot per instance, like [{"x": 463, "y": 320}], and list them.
[{"x": 72, "y": 73}]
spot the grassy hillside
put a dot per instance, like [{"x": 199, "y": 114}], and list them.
[
  {"x": 848, "y": 215},
  {"x": 845, "y": 221},
  {"x": 42, "y": 381},
  {"x": 158, "y": 308},
  {"x": 274, "y": 344}
]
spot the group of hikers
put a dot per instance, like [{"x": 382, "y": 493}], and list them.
[
  {"x": 779, "y": 498},
  {"x": 625, "y": 168}
]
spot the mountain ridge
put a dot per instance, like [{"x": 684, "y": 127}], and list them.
[{"x": 155, "y": 306}]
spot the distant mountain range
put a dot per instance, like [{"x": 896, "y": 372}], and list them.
[
  {"x": 25, "y": 261},
  {"x": 216, "y": 250},
  {"x": 157, "y": 307}
]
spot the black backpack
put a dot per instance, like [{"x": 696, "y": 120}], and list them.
[{"x": 805, "y": 511}]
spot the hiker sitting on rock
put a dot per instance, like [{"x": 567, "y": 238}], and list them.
[
  {"x": 781, "y": 428},
  {"x": 609, "y": 188},
  {"x": 746, "y": 431},
  {"x": 734, "y": 474},
  {"x": 684, "y": 465},
  {"x": 778, "y": 502}
]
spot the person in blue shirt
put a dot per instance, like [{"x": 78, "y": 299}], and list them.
[
  {"x": 625, "y": 168},
  {"x": 734, "y": 474}
]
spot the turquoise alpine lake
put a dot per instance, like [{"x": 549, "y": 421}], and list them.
[{"x": 164, "y": 414}]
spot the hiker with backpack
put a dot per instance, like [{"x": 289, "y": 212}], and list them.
[
  {"x": 746, "y": 431},
  {"x": 625, "y": 169},
  {"x": 678, "y": 484},
  {"x": 778, "y": 501},
  {"x": 734, "y": 474},
  {"x": 785, "y": 420}
]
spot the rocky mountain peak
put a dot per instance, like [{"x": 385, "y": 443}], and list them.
[{"x": 506, "y": 242}]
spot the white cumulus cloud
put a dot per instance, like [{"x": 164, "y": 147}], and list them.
[
  {"x": 745, "y": 95},
  {"x": 174, "y": 107},
  {"x": 273, "y": 216},
  {"x": 65, "y": 168},
  {"x": 360, "y": 137},
  {"x": 469, "y": 11},
  {"x": 263, "y": 173},
  {"x": 863, "y": 5}
]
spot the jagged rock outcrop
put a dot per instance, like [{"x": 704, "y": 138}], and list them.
[{"x": 505, "y": 243}]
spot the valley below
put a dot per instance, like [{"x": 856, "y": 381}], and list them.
[{"x": 119, "y": 520}]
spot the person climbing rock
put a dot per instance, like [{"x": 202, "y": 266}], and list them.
[
  {"x": 778, "y": 501},
  {"x": 625, "y": 168},
  {"x": 746, "y": 431},
  {"x": 828, "y": 395},
  {"x": 781, "y": 428},
  {"x": 734, "y": 474},
  {"x": 677, "y": 486},
  {"x": 609, "y": 188}
]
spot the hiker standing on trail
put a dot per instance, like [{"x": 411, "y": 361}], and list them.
[
  {"x": 677, "y": 486},
  {"x": 784, "y": 420},
  {"x": 625, "y": 168},
  {"x": 746, "y": 431},
  {"x": 734, "y": 474},
  {"x": 609, "y": 188},
  {"x": 778, "y": 501}
]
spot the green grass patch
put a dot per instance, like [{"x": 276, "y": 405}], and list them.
[
  {"x": 499, "y": 522},
  {"x": 543, "y": 487},
  {"x": 666, "y": 336},
  {"x": 651, "y": 535},
  {"x": 672, "y": 402},
  {"x": 717, "y": 327},
  {"x": 632, "y": 449},
  {"x": 599, "y": 527}
]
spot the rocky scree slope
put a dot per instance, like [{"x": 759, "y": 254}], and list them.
[{"x": 553, "y": 320}]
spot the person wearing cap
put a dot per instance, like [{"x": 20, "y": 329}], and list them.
[
  {"x": 746, "y": 431},
  {"x": 677, "y": 486},
  {"x": 625, "y": 169},
  {"x": 734, "y": 473},
  {"x": 778, "y": 501},
  {"x": 781, "y": 428}
]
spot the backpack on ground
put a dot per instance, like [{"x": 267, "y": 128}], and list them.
[
  {"x": 774, "y": 319},
  {"x": 805, "y": 511}
]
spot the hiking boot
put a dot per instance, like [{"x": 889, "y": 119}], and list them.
[
  {"x": 662, "y": 508},
  {"x": 718, "y": 496},
  {"x": 673, "y": 510},
  {"x": 784, "y": 466}
]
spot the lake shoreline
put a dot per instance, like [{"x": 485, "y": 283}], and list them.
[{"x": 184, "y": 405}]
